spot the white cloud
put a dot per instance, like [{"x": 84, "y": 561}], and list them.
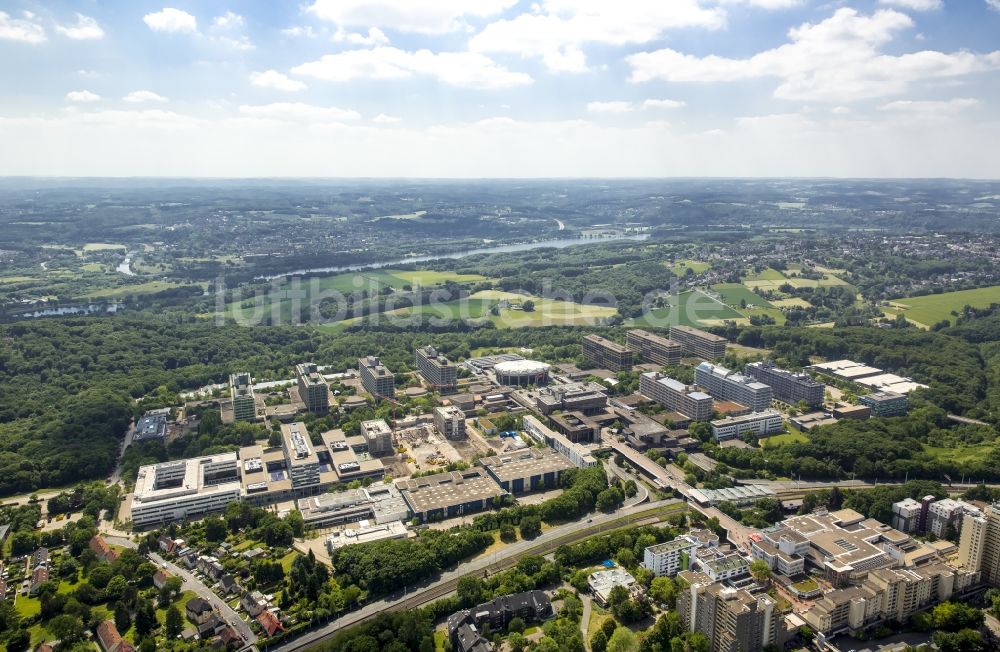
[
  {"x": 663, "y": 104},
  {"x": 382, "y": 118},
  {"x": 300, "y": 31},
  {"x": 86, "y": 28},
  {"x": 89, "y": 74},
  {"x": 276, "y": 80},
  {"x": 424, "y": 17},
  {"x": 840, "y": 110},
  {"x": 228, "y": 20},
  {"x": 993, "y": 4},
  {"x": 465, "y": 69},
  {"x": 931, "y": 108},
  {"x": 297, "y": 111},
  {"x": 237, "y": 42},
  {"x": 82, "y": 96},
  {"x": 25, "y": 31},
  {"x": 137, "y": 97},
  {"x": 559, "y": 29},
  {"x": 610, "y": 107},
  {"x": 765, "y": 4},
  {"x": 375, "y": 36},
  {"x": 836, "y": 60},
  {"x": 914, "y": 5},
  {"x": 170, "y": 19}
]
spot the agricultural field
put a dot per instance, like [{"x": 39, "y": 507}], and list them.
[
  {"x": 694, "y": 308},
  {"x": 278, "y": 302},
  {"x": 929, "y": 310},
  {"x": 102, "y": 246},
  {"x": 126, "y": 290},
  {"x": 734, "y": 293},
  {"x": 772, "y": 279}
]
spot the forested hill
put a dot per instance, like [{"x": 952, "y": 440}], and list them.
[{"x": 68, "y": 387}]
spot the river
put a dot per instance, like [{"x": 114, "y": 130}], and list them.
[{"x": 481, "y": 251}]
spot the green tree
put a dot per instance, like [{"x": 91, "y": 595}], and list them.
[
  {"x": 123, "y": 618},
  {"x": 174, "y": 622},
  {"x": 530, "y": 526},
  {"x": 623, "y": 640},
  {"x": 145, "y": 618},
  {"x": 663, "y": 591},
  {"x": 599, "y": 641},
  {"x": 760, "y": 571},
  {"x": 66, "y": 628},
  {"x": 215, "y": 529}
]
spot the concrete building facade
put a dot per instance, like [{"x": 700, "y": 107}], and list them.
[
  {"x": 604, "y": 353},
  {"x": 244, "y": 402},
  {"x": 760, "y": 424},
  {"x": 699, "y": 343},
  {"x": 654, "y": 348},
  {"x": 788, "y": 386},
  {"x": 450, "y": 422},
  {"x": 726, "y": 385},
  {"x": 313, "y": 389},
  {"x": 376, "y": 379},
  {"x": 436, "y": 369},
  {"x": 676, "y": 396},
  {"x": 733, "y": 620}
]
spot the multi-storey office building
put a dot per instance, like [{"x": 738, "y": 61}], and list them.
[
  {"x": 885, "y": 404},
  {"x": 450, "y": 422},
  {"x": 575, "y": 453},
  {"x": 670, "y": 557},
  {"x": 303, "y": 462},
  {"x": 587, "y": 397},
  {"x": 760, "y": 424},
  {"x": 733, "y": 620},
  {"x": 788, "y": 386},
  {"x": 653, "y": 348},
  {"x": 726, "y": 385},
  {"x": 378, "y": 434},
  {"x": 675, "y": 395},
  {"x": 604, "y": 353},
  {"x": 526, "y": 470},
  {"x": 244, "y": 402},
  {"x": 376, "y": 379},
  {"x": 185, "y": 489},
  {"x": 436, "y": 369},
  {"x": 699, "y": 343},
  {"x": 313, "y": 389}
]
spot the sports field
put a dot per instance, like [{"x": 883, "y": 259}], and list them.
[{"x": 929, "y": 310}]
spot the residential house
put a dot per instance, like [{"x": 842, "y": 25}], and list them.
[
  {"x": 270, "y": 623},
  {"x": 253, "y": 603},
  {"x": 198, "y": 610},
  {"x": 110, "y": 640},
  {"x": 167, "y": 545},
  {"x": 160, "y": 578},
  {"x": 228, "y": 585}
]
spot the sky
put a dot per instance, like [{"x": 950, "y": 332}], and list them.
[{"x": 500, "y": 88}]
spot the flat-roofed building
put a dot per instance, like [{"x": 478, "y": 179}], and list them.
[
  {"x": 733, "y": 620},
  {"x": 602, "y": 352},
  {"x": 885, "y": 404},
  {"x": 946, "y": 514},
  {"x": 366, "y": 534},
  {"x": 585, "y": 396},
  {"x": 576, "y": 426},
  {"x": 530, "y": 469},
  {"x": 575, "y": 453},
  {"x": 450, "y": 494},
  {"x": 759, "y": 424},
  {"x": 654, "y": 348},
  {"x": 152, "y": 425},
  {"x": 788, "y": 386},
  {"x": 907, "y": 514},
  {"x": 783, "y": 549},
  {"x": 376, "y": 379},
  {"x": 806, "y": 422},
  {"x": 727, "y": 385},
  {"x": 185, "y": 489},
  {"x": 303, "y": 462},
  {"x": 313, "y": 390},
  {"x": 699, "y": 343},
  {"x": 378, "y": 434},
  {"x": 436, "y": 369},
  {"x": 848, "y": 411},
  {"x": 670, "y": 557},
  {"x": 379, "y": 502},
  {"x": 676, "y": 396},
  {"x": 450, "y": 422},
  {"x": 244, "y": 402},
  {"x": 349, "y": 459}
]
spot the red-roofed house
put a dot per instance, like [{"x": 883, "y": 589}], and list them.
[
  {"x": 101, "y": 548},
  {"x": 111, "y": 640},
  {"x": 270, "y": 623},
  {"x": 160, "y": 578}
]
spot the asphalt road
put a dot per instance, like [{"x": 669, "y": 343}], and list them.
[
  {"x": 192, "y": 583},
  {"x": 445, "y": 582}
]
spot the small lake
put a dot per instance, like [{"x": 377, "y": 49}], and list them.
[{"x": 59, "y": 311}]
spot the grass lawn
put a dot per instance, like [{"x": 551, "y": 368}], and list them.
[
  {"x": 960, "y": 454},
  {"x": 430, "y": 277},
  {"x": 440, "y": 636},
  {"x": 27, "y": 606},
  {"x": 126, "y": 290},
  {"x": 688, "y": 309},
  {"x": 286, "y": 561},
  {"x": 16, "y": 279},
  {"x": 92, "y": 267},
  {"x": 791, "y": 302},
  {"x": 766, "y": 274},
  {"x": 806, "y": 585},
  {"x": 597, "y": 618},
  {"x": 787, "y": 438},
  {"x": 930, "y": 309},
  {"x": 679, "y": 267},
  {"x": 102, "y": 246},
  {"x": 733, "y": 293}
]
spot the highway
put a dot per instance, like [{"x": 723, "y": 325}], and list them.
[{"x": 424, "y": 593}]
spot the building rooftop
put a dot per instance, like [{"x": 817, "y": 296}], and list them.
[
  {"x": 169, "y": 480},
  {"x": 680, "y": 543},
  {"x": 525, "y": 463},
  {"x": 700, "y": 333},
  {"x": 446, "y": 489},
  {"x": 608, "y": 344}
]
